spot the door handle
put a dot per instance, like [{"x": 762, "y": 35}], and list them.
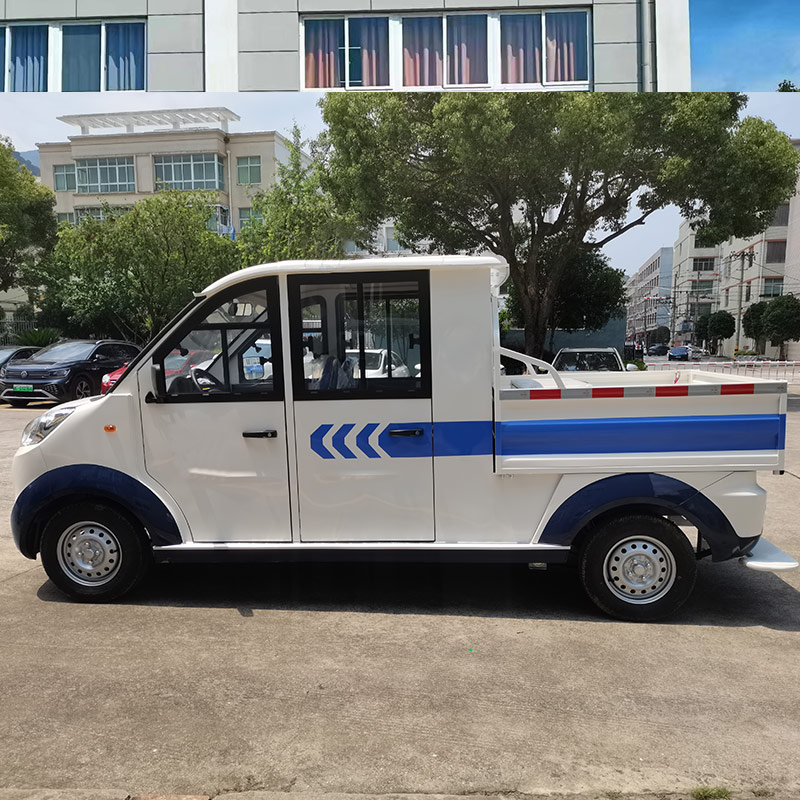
[
  {"x": 406, "y": 432},
  {"x": 260, "y": 434}
]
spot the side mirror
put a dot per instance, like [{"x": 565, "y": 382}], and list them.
[
  {"x": 413, "y": 341},
  {"x": 632, "y": 368},
  {"x": 159, "y": 390}
]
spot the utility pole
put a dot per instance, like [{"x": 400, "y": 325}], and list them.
[{"x": 750, "y": 256}]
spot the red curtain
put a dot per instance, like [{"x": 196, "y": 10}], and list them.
[
  {"x": 324, "y": 51},
  {"x": 521, "y": 45},
  {"x": 466, "y": 48},
  {"x": 422, "y": 51},
  {"x": 567, "y": 47},
  {"x": 370, "y": 36}
]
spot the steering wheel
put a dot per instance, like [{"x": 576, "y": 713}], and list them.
[{"x": 205, "y": 381}]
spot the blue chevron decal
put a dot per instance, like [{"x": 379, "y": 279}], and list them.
[
  {"x": 316, "y": 442},
  {"x": 338, "y": 441},
  {"x": 362, "y": 440}
]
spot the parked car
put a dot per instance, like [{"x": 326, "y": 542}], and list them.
[
  {"x": 588, "y": 359},
  {"x": 658, "y": 350},
  {"x": 68, "y": 370},
  {"x": 377, "y": 364}
]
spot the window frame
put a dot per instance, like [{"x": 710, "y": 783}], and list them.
[
  {"x": 116, "y": 166},
  {"x": 65, "y": 173},
  {"x": 768, "y": 242},
  {"x": 493, "y": 43},
  {"x": 249, "y": 168},
  {"x": 774, "y": 280},
  {"x": 300, "y": 392},
  {"x": 161, "y": 185},
  {"x": 55, "y": 49},
  {"x": 194, "y": 321}
]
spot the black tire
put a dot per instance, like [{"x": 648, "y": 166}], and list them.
[
  {"x": 81, "y": 384},
  {"x": 99, "y": 536},
  {"x": 648, "y": 561},
  {"x": 18, "y": 403}
]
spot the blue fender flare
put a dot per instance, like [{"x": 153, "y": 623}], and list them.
[
  {"x": 651, "y": 490},
  {"x": 89, "y": 482}
]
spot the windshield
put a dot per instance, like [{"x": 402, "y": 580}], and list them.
[
  {"x": 6, "y": 353},
  {"x": 65, "y": 351},
  {"x": 587, "y": 362}
]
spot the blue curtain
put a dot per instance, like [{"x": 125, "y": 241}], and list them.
[
  {"x": 125, "y": 56},
  {"x": 80, "y": 71},
  {"x": 29, "y": 58}
]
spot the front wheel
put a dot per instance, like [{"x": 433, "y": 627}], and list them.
[
  {"x": 638, "y": 567},
  {"x": 81, "y": 388},
  {"x": 94, "y": 553}
]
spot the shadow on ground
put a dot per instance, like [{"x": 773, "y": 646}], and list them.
[{"x": 726, "y": 595}]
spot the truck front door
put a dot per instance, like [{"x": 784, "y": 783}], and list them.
[
  {"x": 362, "y": 406},
  {"x": 217, "y": 441}
]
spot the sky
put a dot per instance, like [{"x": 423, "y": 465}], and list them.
[
  {"x": 30, "y": 119},
  {"x": 744, "y": 45}
]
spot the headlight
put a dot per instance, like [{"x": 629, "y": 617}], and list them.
[
  {"x": 2, "y": 372},
  {"x": 43, "y": 426},
  {"x": 106, "y": 378},
  {"x": 59, "y": 373}
]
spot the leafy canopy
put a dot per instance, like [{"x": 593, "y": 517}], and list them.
[
  {"x": 721, "y": 325},
  {"x": 27, "y": 222},
  {"x": 533, "y": 175}
]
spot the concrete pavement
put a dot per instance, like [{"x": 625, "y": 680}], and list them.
[{"x": 382, "y": 680}]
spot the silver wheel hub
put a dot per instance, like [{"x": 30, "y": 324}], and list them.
[
  {"x": 639, "y": 570},
  {"x": 89, "y": 554}
]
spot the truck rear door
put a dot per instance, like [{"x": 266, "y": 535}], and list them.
[{"x": 362, "y": 406}]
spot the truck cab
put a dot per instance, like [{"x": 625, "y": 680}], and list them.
[{"x": 288, "y": 443}]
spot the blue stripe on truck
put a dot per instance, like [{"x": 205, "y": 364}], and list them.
[{"x": 641, "y": 435}]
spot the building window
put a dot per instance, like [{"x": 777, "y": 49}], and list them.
[
  {"x": 531, "y": 48},
  {"x": 773, "y": 287},
  {"x": 703, "y": 264},
  {"x": 66, "y": 216},
  {"x": 776, "y": 252},
  {"x": 727, "y": 297},
  {"x": 105, "y": 175},
  {"x": 392, "y": 245},
  {"x": 781, "y": 219},
  {"x": 347, "y": 53},
  {"x": 747, "y": 291},
  {"x": 248, "y": 215},
  {"x": 191, "y": 171},
  {"x": 248, "y": 170},
  {"x": 89, "y": 57},
  {"x": 64, "y": 177},
  {"x": 702, "y": 287}
]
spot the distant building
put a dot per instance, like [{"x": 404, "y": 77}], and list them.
[
  {"x": 120, "y": 158},
  {"x": 649, "y": 290}
]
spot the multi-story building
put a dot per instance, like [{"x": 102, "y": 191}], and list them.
[
  {"x": 119, "y": 158},
  {"x": 288, "y": 45},
  {"x": 695, "y": 283},
  {"x": 649, "y": 296},
  {"x": 791, "y": 283}
]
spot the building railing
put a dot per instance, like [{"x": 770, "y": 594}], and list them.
[{"x": 780, "y": 370}]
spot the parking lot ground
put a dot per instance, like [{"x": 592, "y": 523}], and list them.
[{"x": 396, "y": 680}]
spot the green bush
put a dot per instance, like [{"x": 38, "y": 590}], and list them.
[{"x": 39, "y": 337}]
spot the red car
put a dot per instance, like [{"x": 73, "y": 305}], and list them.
[{"x": 174, "y": 364}]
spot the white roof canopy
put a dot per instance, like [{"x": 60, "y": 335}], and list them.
[{"x": 176, "y": 118}]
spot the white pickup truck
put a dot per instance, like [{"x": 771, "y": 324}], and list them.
[{"x": 300, "y": 451}]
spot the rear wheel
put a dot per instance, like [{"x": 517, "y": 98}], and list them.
[
  {"x": 638, "y": 567},
  {"x": 93, "y": 552}
]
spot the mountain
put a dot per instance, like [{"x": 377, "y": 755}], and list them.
[{"x": 29, "y": 159}]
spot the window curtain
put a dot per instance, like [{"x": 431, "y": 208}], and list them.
[
  {"x": 567, "y": 47},
  {"x": 80, "y": 58},
  {"x": 521, "y": 45},
  {"x": 29, "y": 58},
  {"x": 125, "y": 56},
  {"x": 422, "y": 51},
  {"x": 466, "y": 49},
  {"x": 369, "y": 52},
  {"x": 324, "y": 53}
]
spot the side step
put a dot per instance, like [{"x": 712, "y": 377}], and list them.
[{"x": 765, "y": 557}]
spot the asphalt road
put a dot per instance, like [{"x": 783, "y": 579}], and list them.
[{"x": 380, "y": 679}]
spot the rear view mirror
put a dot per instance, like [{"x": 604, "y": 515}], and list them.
[{"x": 632, "y": 368}]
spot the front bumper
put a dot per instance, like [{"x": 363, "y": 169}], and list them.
[{"x": 55, "y": 389}]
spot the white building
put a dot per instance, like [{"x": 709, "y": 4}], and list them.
[{"x": 649, "y": 290}]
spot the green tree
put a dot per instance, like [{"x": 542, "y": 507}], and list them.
[
  {"x": 782, "y": 321},
  {"x": 27, "y": 222},
  {"x": 701, "y": 329},
  {"x": 721, "y": 325},
  {"x": 788, "y": 86},
  {"x": 130, "y": 273},
  {"x": 298, "y": 218},
  {"x": 753, "y": 324},
  {"x": 526, "y": 175},
  {"x": 661, "y": 335}
]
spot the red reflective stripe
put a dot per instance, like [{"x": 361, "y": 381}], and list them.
[
  {"x": 737, "y": 388},
  {"x": 545, "y": 394},
  {"x": 672, "y": 391},
  {"x": 608, "y": 391}
]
